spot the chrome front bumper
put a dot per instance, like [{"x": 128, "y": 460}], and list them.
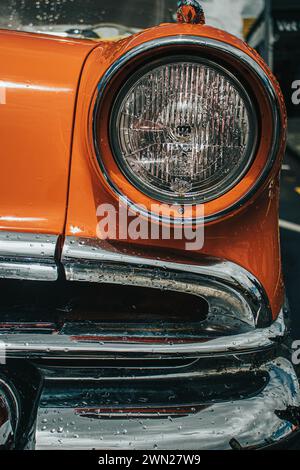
[
  {"x": 53, "y": 346},
  {"x": 252, "y": 422},
  {"x": 253, "y": 402},
  {"x": 233, "y": 390}
]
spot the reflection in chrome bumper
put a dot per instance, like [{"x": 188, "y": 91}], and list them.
[
  {"x": 64, "y": 346},
  {"x": 236, "y": 388},
  {"x": 252, "y": 422},
  {"x": 9, "y": 415}
]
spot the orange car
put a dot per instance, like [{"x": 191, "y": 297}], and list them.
[{"x": 142, "y": 300}]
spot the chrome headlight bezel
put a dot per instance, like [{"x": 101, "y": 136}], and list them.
[{"x": 208, "y": 191}]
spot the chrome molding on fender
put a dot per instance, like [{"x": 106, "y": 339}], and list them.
[
  {"x": 28, "y": 256},
  {"x": 222, "y": 283},
  {"x": 237, "y": 303}
]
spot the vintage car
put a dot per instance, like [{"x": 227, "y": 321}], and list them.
[{"x": 111, "y": 338}]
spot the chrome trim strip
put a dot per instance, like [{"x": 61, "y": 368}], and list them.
[
  {"x": 27, "y": 245},
  {"x": 28, "y": 271},
  {"x": 95, "y": 251},
  {"x": 227, "y": 49},
  {"x": 252, "y": 421},
  {"x": 28, "y": 256},
  {"x": 91, "y": 260},
  {"x": 63, "y": 346}
]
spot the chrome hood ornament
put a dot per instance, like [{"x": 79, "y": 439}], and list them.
[{"x": 190, "y": 11}]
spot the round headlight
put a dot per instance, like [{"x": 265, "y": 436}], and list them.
[{"x": 183, "y": 130}]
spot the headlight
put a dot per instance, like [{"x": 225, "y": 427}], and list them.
[{"x": 183, "y": 130}]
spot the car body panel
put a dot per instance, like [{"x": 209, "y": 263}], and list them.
[{"x": 39, "y": 77}]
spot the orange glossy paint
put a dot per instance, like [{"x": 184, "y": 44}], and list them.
[
  {"x": 39, "y": 77},
  {"x": 36, "y": 125},
  {"x": 249, "y": 237}
]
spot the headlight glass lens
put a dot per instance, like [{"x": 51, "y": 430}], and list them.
[{"x": 183, "y": 131}]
